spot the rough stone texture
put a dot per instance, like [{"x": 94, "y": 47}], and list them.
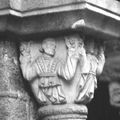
[
  {"x": 71, "y": 86},
  {"x": 33, "y": 110},
  {"x": 10, "y": 67},
  {"x": 50, "y": 23},
  {"x": 17, "y": 109},
  {"x": 4, "y": 115},
  {"x": 104, "y": 21},
  {"x": 95, "y": 24},
  {"x": 13, "y": 97},
  {"x": 12, "y": 109}
]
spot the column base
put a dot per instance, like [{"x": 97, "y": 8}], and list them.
[{"x": 63, "y": 112}]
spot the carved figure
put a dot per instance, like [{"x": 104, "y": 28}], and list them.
[
  {"x": 92, "y": 65},
  {"x": 114, "y": 93},
  {"x": 74, "y": 43},
  {"x": 43, "y": 72}
]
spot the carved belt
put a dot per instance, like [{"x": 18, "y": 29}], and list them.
[
  {"x": 93, "y": 73},
  {"x": 47, "y": 74}
]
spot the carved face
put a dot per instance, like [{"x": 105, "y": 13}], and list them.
[
  {"x": 49, "y": 46},
  {"x": 114, "y": 92},
  {"x": 80, "y": 43},
  {"x": 74, "y": 41}
]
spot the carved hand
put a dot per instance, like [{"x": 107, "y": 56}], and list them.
[
  {"x": 25, "y": 49},
  {"x": 73, "y": 53},
  {"x": 101, "y": 50}
]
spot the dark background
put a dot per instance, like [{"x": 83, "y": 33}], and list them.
[{"x": 99, "y": 107}]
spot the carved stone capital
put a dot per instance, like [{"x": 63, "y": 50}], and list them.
[{"x": 62, "y": 73}]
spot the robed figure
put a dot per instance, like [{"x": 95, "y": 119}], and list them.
[
  {"x": 91, "y": 65},
  {"x": 45, "y": 72}
]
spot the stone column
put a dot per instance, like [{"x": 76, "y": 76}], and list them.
[{"x": 13, "y": 98}]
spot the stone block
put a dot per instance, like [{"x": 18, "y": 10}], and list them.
[
  {"x": 12, "y": 109},
  {"x": 4, "y": 114},
  {"x": 13, "y": 97},
  {"x": 33, "y": 108}
]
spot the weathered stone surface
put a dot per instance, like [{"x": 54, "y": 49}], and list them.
[
  {"x": 32, "y": 5},
  {"x": 100, "y": 18},
  {"x": 28, "y": 5},
  {"x": 4, "y": 115},
  {"x": 62, "y": 82},
  {"x": 10, "y": 66},
  {"x": 95, "y": 24},
  {"x": 12, "y": 109},
  {"x": 17, "y": 109},
  {"x": 61, "y": 112},
  {"x": 33, "y": 109},
  {"x": 13, "y": 97}
]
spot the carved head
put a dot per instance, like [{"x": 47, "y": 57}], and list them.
[
  {"x": 25, "y": 48},
  {"x": 74, "y": 41},
  {"x": 49, "y": 46},
  {"x": 114, "y": 93},
  {"x": 92, "y": 48}
]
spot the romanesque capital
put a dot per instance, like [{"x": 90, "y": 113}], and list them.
[{"x": 62, "y": 73}]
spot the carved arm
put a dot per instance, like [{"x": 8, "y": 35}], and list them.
[
  {"x": 27, "y": 66},
  {"x": 101, "y": 61},
  {"x": 67, "y": 69}
]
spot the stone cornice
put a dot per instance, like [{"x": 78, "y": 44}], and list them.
[
  {"x": 23, "y": 8},
  {"x": 39, "y": 16}
]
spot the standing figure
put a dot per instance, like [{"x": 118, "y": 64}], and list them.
[
  {"x": 43, "y": 73},
  {"x": 92, "y": 65}
]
